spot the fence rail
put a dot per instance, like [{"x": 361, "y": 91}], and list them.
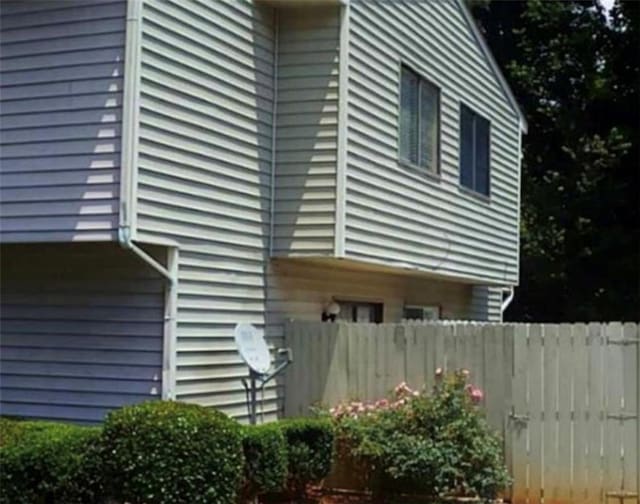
[{"x": 565, "y": 397}]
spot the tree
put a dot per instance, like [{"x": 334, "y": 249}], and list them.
[{"x": 576, "y": 76}]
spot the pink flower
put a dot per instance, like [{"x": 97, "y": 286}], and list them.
[{"x": 477, "y": 395}]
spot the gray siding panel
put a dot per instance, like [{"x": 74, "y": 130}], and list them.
[
  {"x": 61, "y": 66},
  {"x": 306, "y": 131},
  {"x": 396, "y": 214},
  {"x": 76, "y": 340},
  {"x": 205, "y": 179}
]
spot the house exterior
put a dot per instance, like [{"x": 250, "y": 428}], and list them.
[{"x": 172, "y": 168}]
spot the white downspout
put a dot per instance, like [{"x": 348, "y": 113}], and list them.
[
  {"x": 128, "y": 193},
  {"x": 505, "y": 304}
]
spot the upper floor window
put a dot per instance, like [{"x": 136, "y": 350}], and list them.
[
  {"x": 474, "y": 151},
  {"x": 419, "y": 120}
]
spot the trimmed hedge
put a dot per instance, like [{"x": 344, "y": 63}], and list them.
[
  {"x": 49, "y": 462},
  {"x": 265, "y": 453},
  {"x": 309, "y": 450},
  {"x": 160, "y": 452},
  {"x": 170, "y": 452}
]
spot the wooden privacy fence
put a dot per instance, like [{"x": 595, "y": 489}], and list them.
[{"x": 564, "y": 397}]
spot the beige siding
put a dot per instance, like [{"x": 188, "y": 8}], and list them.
[
  {"x": 397, "y": 214},
  {"x": 205, "y": 144},
  {"x": 306, "y": 137},
  {"x": 300, "y": 290},
  {"x": 78, "y": 340},
  {"x": 61, "y": 71}
]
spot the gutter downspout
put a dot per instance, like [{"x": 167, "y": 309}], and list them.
[
  {"x": 274, "y": 112},
  {"x": 342, "y": 131},
  {"x": 128, "y": 193},
  {"x": 505, "y": 304}
]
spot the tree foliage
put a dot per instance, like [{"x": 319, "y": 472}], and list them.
[{"x": 576, "y": 74}]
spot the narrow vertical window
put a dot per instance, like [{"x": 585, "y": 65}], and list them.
[
  {"x": 419, "y": 121},
  {"x": 475, "y": 151}
]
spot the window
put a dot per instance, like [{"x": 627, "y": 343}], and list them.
[
  {"x": 474, "y": 151},
  {"x": 355, "y": 311},
  {"x": 421, "y": 313},
  {"x": 419, "y": 120}
]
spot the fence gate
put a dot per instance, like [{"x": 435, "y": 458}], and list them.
[{"x": 573, "y": 426}]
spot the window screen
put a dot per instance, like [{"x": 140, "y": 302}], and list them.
[
  {"x": 475, "y": 151},
  {"x": 419, "y": 120}
]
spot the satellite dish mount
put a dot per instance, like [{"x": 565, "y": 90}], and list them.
[{"x": 254, "y": 351}]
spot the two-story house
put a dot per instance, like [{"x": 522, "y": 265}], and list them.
[{"x": 172, "y": 168}]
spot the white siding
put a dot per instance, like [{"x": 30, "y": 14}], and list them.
[
  {"x": 61, "y": 65},
  {"x": 81, "y": 331},
  {"x": 204, "y": 178},
  {"x": 307, "y": 118},
  {"x": 398, "y": 214}
]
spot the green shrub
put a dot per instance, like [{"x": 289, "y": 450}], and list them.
[
  {"x": 169, "y": 452},
  {"x": 265, "y": 453},
  {"x": 437, "y": 444},
  {"x": 309, "y": 450},
  {"x": 49, "y": 462}
]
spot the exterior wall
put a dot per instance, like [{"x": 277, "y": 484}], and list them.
[
  {"x": 307, "y": 119},
  {"x": 300, "y": 290},
  {"x": 61, "y": 71},
  {"x": 205, "y": 147},
  {"x": 78, "y": 340},
  {"x": 486, "y": 304},
  {"x": 397, "y": 214}
]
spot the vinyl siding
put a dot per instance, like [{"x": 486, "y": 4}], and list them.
[
  {"x": 61, "y": 65},
  {"x": 78, "y": 340},
  {"x": 306, "y": 136},
  {"x": 486, "y": 304},
  {"x": 205, "y": 141},
  {"x": 300, "y": 290},
  {"x": 397, "y": 214}
]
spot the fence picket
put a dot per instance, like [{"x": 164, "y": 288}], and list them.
[
  {"x": 596, "y": 413},
  {"x": 579, "y": 407},
  {"x": 518, "y": 423},
  {"x": 631, "y": 379},
  {"x": 614, "y": 406},
  {"x": 564, "y": 475},
  {"x": 537, "y": 418}
]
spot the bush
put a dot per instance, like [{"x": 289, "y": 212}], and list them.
[
  {"x": 436, "y": 444},
  {"x": 265, "y": 453},
  {"x": 169, "y": 452},
  {"x": 49, "y": 462},
  {"x": 309, "y": 450}
]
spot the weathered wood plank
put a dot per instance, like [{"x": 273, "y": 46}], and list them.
[
  {"x": 596, "y": 413},
  {"x": 537, "y": 411},
  {"x": 614, "y": 407},
  {"x": 519, "y": 427},
  {"x": 580, "y": 481},
  {"x": 566, "y": 366}
]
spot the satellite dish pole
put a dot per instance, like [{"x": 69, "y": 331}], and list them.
[{"x": 254, "y": 351}]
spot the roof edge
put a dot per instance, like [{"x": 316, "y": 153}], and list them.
[{"x": 494, "y": 64}]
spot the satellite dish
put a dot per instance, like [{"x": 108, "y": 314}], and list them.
[{"x": 252, "y": 348}]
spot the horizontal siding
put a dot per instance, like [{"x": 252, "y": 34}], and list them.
[
  {"x": 486, "y": 304},
  {"x": 301, "y": 289},
  {"x": 61, "y": 65},
  {"x": 78, "y": 340},
  {"x": 206, "y": 97},
  {"x": 306, "y": 131},
  {"x": 397, "y": 214}
]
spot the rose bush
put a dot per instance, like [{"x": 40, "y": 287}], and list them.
[{"x": 435, "y": 443}]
